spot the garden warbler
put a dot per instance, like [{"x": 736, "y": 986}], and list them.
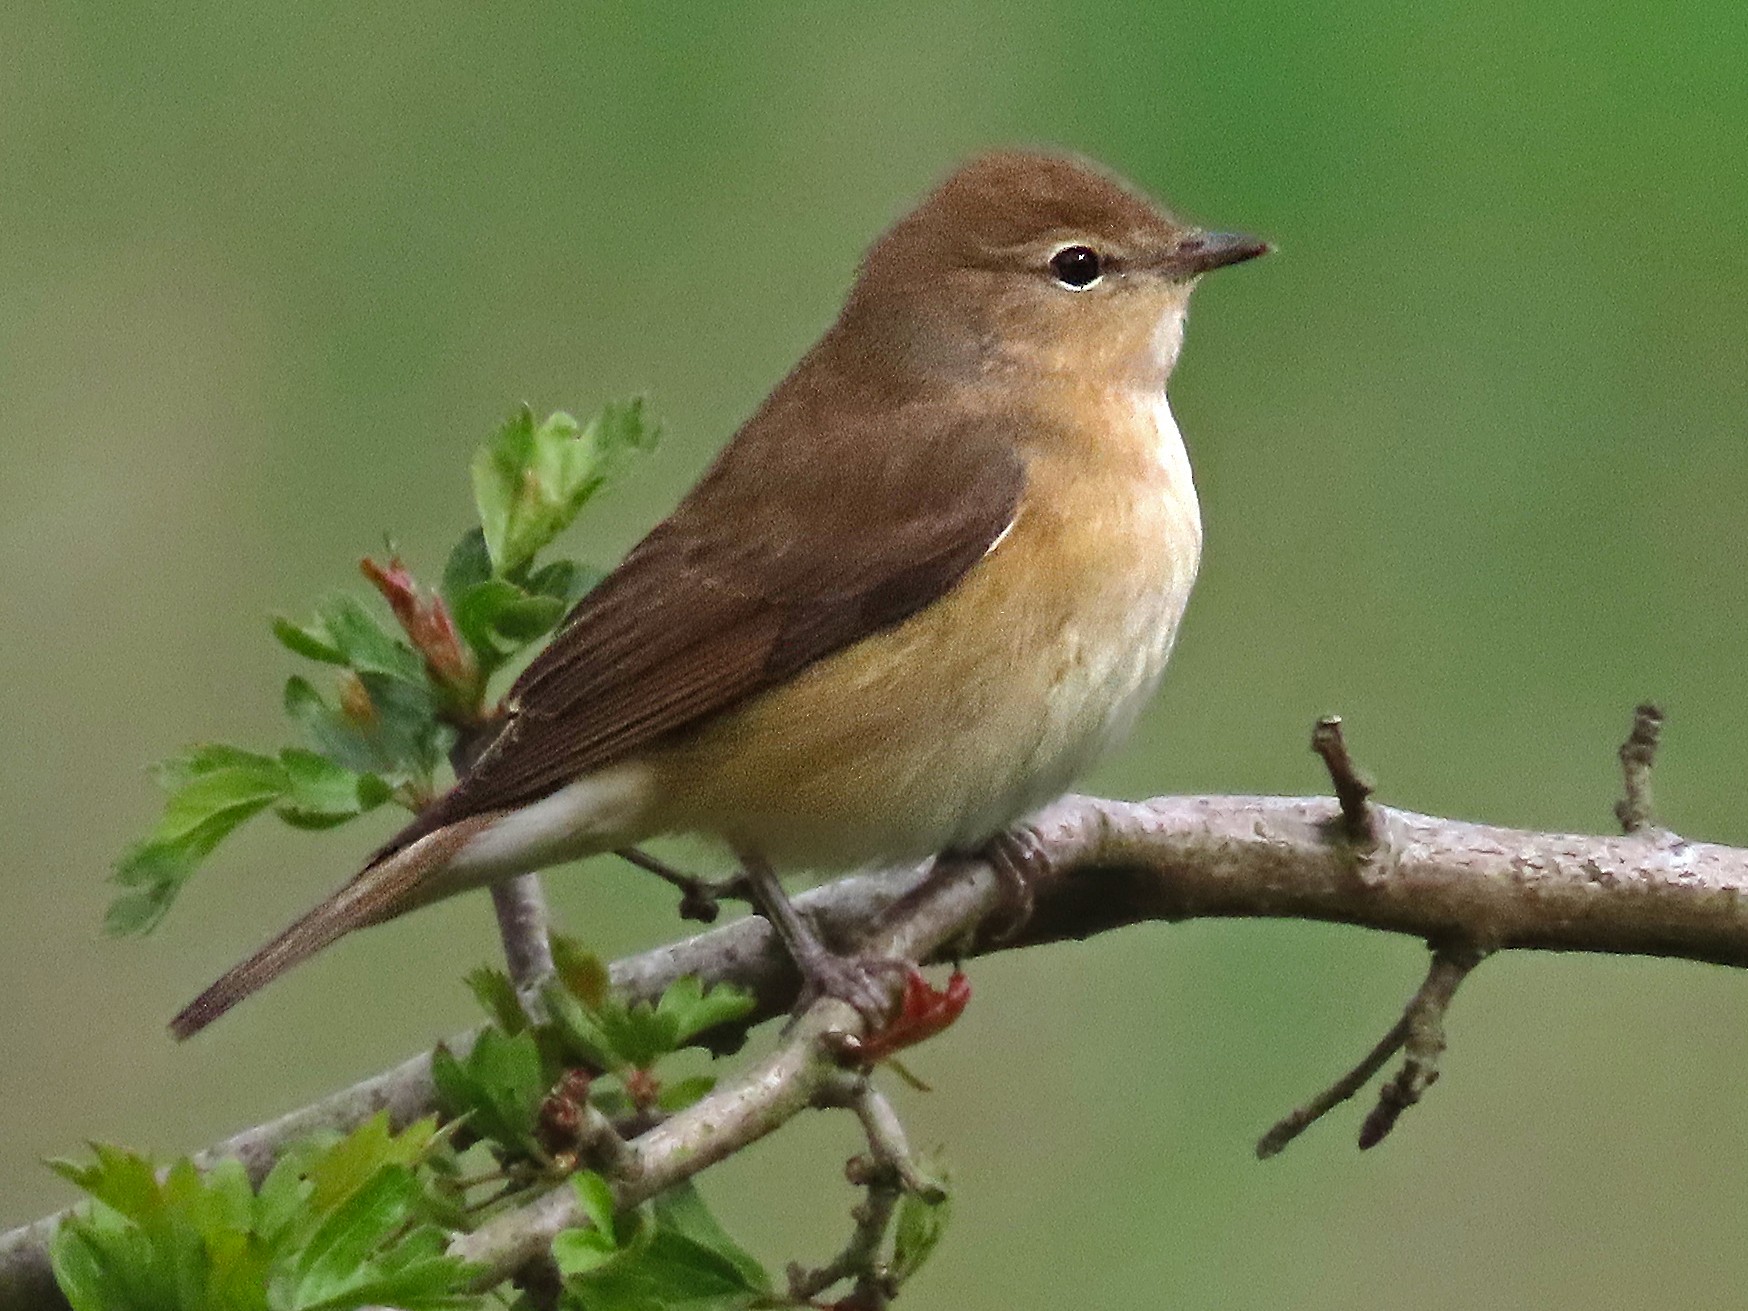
[{"x": 934, "y": 576}]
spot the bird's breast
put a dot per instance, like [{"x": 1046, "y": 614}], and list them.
[{"x": 985, "y": 704}]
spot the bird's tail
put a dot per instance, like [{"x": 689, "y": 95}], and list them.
[{"x": 381, "y": 891}]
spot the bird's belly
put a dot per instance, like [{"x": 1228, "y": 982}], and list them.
[{"x": 941, "y": 732}]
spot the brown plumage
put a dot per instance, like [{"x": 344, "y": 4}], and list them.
[
  {"x": 696, "y": 619},
  {"x": 927, "y": 582}
]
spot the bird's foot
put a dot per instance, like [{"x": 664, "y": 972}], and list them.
[
  {"x": 870, "y": 984},
  {"x": 700, "y": 899},
  {"x": 1020, "y": 862}
]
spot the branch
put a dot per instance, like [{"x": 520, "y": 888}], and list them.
[
  {"x": 1423, "y": 1040},
  {"x": 887, "y": 1173},
  {"x": 1110, "y": 864},
  {"x": 803, "y": 1072},
  {"x": 1420, "y": 1031}
]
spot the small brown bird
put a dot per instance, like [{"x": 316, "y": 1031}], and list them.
[{"x": 931, "y": 579}]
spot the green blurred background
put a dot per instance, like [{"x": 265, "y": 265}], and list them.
[{"x": 1471, "y": 459}]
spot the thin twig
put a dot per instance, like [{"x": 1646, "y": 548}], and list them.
[
  {"x": 523, "y": 924},
  {"x": 1638, "y": 754},
  {"x": 887, "y": 1173},
  {"x": 1419, "y": 1031},
  {"x": 1291, "y": 1126},
  {"x": 1353, "y": 789},
  {"x": 1425, "y": 1041},
  {"x": 888, "y": 1142},
  {"x": 871, "y": 1218}
]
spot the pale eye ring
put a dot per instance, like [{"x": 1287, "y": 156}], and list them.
[{"x": 1077, "y": 267}]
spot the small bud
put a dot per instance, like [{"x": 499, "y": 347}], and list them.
[
  {"x": 355, "y": 702},
  {"x": 431, "y": 629},
  {"x": 559, "y": 1126},
  {"x": 575, "y": 1084},
  {"x": 642, "y": 1086}
]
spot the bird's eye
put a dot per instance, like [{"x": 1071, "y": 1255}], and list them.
[{"x": 1077, "y": 267}]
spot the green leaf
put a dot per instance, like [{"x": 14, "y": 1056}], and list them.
[
  {"x": 610, "y": 1034},
  {"x": 333, "y": 1260},
  {"x": 581, "y": 971},
  {"x": 595, "y": 1196},
  {"x": 281, "y": 1198},
  {"x": 336, "y": 1225},
  {"x": 497, "y": 619},
  {"x": 692, "y": 1010},
  {"x": 346, "y": 632},
  {"x": 498, "y": 1087},
  {"x": 529, "y": 481},
  {"x": 365, "y": 642},
  {"x": 178, "y": 772},
  {"x": 400, "y": 740},
  {"x": 213, "y": 789},
  {"x": 682, "y": 1211},
  {"x": 308, "y": 640},
  {"x": 469, "y": 563},
  {"x": 346, "y": 1165},
  {"x": 579, "y": 1251},
  {"x": 122, "y": 1180},
  {"x": 564, "y": 580},
  {"x": 494, "y": 991},
  {"x": 336, "y": 736},
  {"x": 681, "y": 1260},
  {"x": 921, "y": 1224},
  {"x": 83, "y": 1271},
  {"x": 408, "y": 732},
  {"x": 320, "y": 794},
  {"x": 580, "y": 1038}
]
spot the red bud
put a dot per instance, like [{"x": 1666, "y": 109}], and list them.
[{"x": 429, "y": 627}]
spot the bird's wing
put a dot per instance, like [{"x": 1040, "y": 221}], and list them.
[{"x": 779, "y": 557}]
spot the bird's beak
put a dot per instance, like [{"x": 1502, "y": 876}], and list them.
[{"x": 1202, "y": 251}]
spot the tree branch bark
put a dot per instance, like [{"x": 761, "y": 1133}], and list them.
[{"x": 1109, "y": 864}]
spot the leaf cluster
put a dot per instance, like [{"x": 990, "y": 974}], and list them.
[
  {"x": 390, "y": 693},
  {"x": 670, "y": 1255},
  {"x": 350, "y": 1222},
  {"x": 501, "y": 1084}
]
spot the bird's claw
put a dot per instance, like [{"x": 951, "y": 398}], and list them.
[{"x": 868, "y": 983}]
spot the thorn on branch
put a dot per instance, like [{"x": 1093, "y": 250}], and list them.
[
  {"x": 1353, "y": 789},
  {"x": 700, "y": 899},
  {"x": 1419, "y": 1033},
  {"x": 1638, "y": 754}
]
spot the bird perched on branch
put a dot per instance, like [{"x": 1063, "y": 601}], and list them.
[{"x": 934, "y": 576}]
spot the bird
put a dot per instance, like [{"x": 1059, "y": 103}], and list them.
[{"x": 934, "y": 576}]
